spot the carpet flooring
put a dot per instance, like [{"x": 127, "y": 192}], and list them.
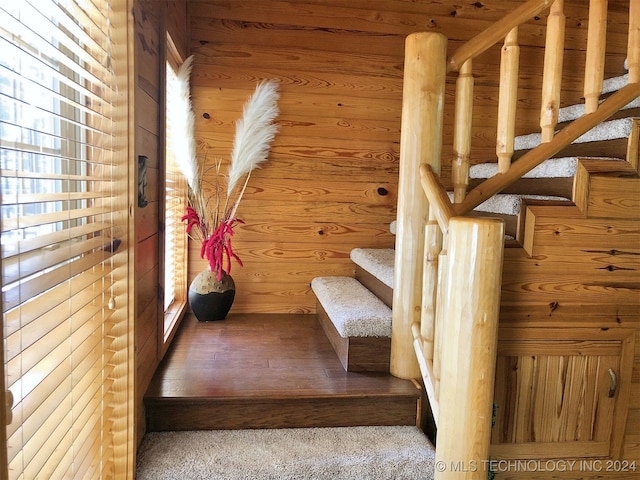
[{"x": 349, "y": 453}]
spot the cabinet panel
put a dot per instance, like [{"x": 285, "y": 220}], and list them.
[{"x": 561, "y": 393}]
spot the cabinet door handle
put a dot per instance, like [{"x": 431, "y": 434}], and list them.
[{"x": 613, "y": 385}]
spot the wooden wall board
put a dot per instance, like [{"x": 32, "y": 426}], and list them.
[
  {"x": 149, "y": 32},
  {"x": 327, "y": 233},
  {"x": 176, "y": 24}
]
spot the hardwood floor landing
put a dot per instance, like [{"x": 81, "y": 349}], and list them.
[{"x": 268, "y": 371}]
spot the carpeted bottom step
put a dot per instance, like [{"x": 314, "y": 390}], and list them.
[
  {"x": 356, "y": 322},
  {"x": 353, "y": 453}
]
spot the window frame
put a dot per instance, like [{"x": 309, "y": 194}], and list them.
[{"x": 171, "y": 317}]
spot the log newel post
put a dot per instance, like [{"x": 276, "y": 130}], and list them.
[
  {"x": 469, "y": 345},
  {"x": 420, "y": 142}
]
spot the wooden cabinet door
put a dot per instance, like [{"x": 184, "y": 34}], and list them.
[{"x": 561, "y": 393}]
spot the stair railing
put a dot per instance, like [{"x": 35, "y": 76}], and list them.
[{"x": 448, "y": 267}]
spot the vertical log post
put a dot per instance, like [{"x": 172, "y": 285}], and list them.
[
  {"x": 420, "y": 142},
  {"x": 633, "y": 48},
  {"x": 469, "y": 346},
  {"x": 596, "y": 49},
  {"x": 507, "y": 99},
  {"x": 552, "y": 75},
  {"x": 462, "y": 132}
]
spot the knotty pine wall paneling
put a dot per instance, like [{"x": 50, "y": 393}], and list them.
[
  {"x": 150, "y": 25},
  {"x": 147, "y": 109},
  {"x": 331, "y": 180}
]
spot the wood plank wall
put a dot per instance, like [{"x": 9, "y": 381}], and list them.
[
  {"x": 152, "y": 19},
  {"x": 331, "y": 181}
]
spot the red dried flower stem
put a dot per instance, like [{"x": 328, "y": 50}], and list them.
[{"x": 216, "y": 247}]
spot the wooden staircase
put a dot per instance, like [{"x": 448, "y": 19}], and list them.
[{"x": 548, "y": 340}]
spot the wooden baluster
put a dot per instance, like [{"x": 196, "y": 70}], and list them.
[
  {"x": 552, "y": 77},
  {"x": 432, "y": 248},
  {"x": 469, "y": 347},
  {"x": 596, "y": 49},
  {"x": 633, "y": 50},
  {"x": 420, "y": 141},
  {"x": 441, "y": 320},
  {"x": 462, "y": 132},
  {"x": 507, "y": 99}
]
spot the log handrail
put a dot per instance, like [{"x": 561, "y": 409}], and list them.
[
  {"x": 488, "y": 38},
  {"x": 536, "y": 156},
  {"x": 437, "y": 196}
]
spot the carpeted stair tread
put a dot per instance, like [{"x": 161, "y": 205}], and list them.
[
  {"x": 508, "y": 203},
  {"x": 613, "y": 129},
  {"x": 551, "y": 168},
  {"x": 562, "y": 167},
  {"x": 354, "y": 453},
  {"x": 610, "y": 85},
  {"x": 379, "y": 262},
  {"x": 353, "y": 310}
]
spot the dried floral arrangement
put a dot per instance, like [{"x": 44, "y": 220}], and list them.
[{"x": 212, "y": 205}]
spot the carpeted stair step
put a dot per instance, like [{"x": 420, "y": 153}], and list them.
[
  {"x": 609, "y": 86},
  {"x": 374, "y": 270},
  {"x": 553, "y": 177},
  {"x": 357, "y": 323},
  {"x": 606, "y": 139},
  {"x": 354, "y": 453}
]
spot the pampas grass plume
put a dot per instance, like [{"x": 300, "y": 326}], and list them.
[
  {"x": 183, "y": 118},
  {"x": 254, "y": 132}
]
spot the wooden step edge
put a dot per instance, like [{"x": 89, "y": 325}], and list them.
[
  {"x": 607, "y": 189},
  {"x": 633, "y": 149},
  {"x": 284, "y": 412},
  {"x": 532, "y": 209}
]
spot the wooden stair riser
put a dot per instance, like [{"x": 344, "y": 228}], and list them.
[
  {"x": 378, "y": 288},
  {"x": 357, "y": 354},
  {"x": 302, "y": 412}
]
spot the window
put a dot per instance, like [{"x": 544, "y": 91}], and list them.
[
  {"x": 64, "y": 214},
  {"x": 174, "y": 241}
]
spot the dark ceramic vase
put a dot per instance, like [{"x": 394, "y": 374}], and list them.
[{"x": 211, "y": 299}]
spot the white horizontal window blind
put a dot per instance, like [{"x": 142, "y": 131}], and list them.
[{"x": 63, "y": 232}]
